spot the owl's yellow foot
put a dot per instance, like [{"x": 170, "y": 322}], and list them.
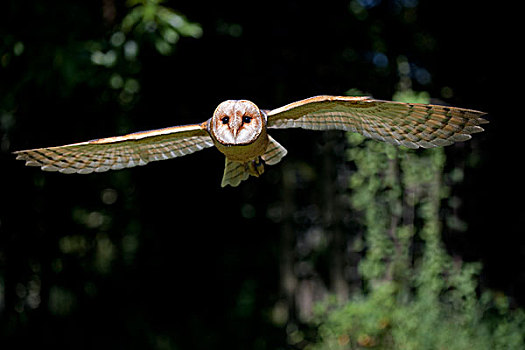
[{"x": 255, "y": 167}]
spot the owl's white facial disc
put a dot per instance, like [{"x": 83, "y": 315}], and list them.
[{"x": 237, "y": 122}]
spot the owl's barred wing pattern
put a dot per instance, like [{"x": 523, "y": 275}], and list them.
[
  {"x": 120, "y": 152},
  {"x": 409, "y": 124}
]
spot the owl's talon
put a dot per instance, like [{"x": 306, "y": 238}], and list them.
[
  {"x": 256, "y": 167},
  {"x": 259, "y": 165}
]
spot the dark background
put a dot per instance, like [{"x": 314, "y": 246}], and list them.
[{"x": 161, "y": 256}]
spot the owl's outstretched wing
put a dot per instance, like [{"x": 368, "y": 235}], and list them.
[
  {"x": 120, "y": 152},
  {"x": 409, "y": 124}
]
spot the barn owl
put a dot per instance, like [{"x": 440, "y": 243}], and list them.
[{"x": 239, "y": 129}]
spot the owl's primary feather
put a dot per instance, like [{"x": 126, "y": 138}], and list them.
[{"x": 238, "y": 128}]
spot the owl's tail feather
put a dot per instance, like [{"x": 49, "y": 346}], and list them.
[{"x": 235, "y": 172}]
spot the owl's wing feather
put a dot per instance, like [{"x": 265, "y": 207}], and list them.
[
  {"x": 119, "y": 152},
  {"x": 409, "y": 124},
  {"x": 274, "y": 153}
]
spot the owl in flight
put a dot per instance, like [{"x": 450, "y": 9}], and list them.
[{"x": 239, "y": 129}]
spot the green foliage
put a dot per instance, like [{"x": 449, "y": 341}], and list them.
[
  {"x": 415, "y": 295},
  {"x": 383, "y": 320},
  {"x": 146, "y": 24},
  {"x": 162, "y": 23}
]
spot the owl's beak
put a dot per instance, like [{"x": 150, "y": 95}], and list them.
[
  {"x": 235, "y": 131},
  {"x": 235, "y": 126}
]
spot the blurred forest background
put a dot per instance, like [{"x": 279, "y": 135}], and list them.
[{"x": 346, "y": 244}]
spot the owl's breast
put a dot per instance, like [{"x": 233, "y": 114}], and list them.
[{"x": 244, "y": 152}]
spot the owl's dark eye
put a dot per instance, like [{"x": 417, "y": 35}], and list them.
[
  {"x": 225, "y": 120},
  {"x": 246, "y": 119}
]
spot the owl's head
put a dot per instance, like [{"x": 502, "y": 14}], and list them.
[{"x": 237, "y": 122}]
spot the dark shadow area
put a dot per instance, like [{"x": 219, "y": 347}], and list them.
[{"x": 161, "y": 256}]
